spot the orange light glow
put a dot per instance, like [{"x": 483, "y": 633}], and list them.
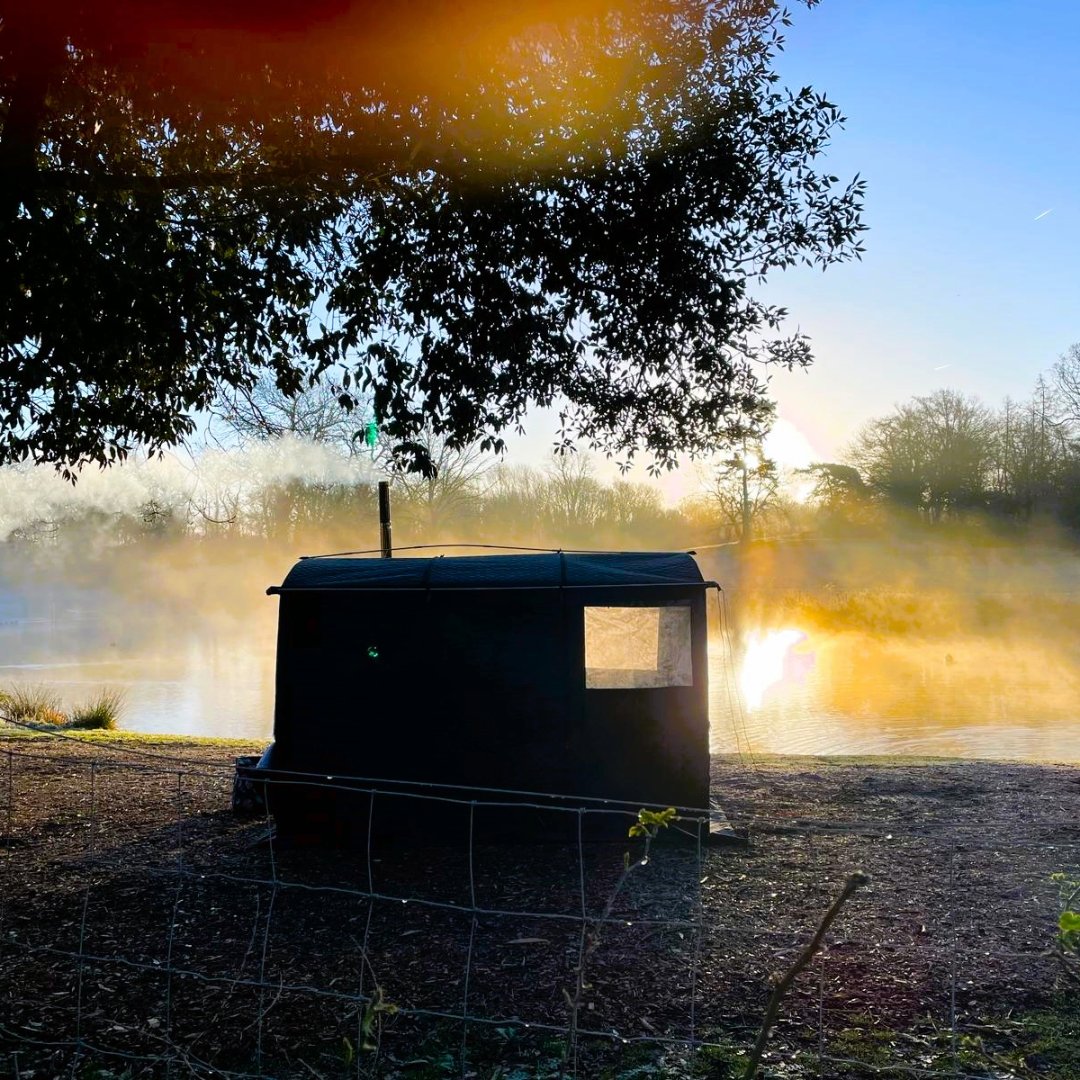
[{"x": 480, "y": 83}]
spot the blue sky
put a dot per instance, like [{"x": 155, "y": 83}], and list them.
[{"x": 963, "y": 118}]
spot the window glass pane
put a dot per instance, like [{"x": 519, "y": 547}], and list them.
[{"x": 633, "y": 647}]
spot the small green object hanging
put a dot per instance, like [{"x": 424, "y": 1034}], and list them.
[{"x": 371, "y": 433}]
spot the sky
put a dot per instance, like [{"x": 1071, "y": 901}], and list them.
[{"x": 963, "y": 117}]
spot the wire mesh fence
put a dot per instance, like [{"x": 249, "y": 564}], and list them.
[{"x": 147, "y": 930}]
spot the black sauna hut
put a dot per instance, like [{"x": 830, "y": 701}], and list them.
[{"x": 581, "y": 676}]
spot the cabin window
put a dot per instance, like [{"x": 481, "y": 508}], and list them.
[{"x": 637, "y": 647}]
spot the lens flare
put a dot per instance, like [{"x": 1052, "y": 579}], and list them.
[{"x": 765, "y": 662}]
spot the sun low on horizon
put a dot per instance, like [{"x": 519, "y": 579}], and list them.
[{"x": 786, "y": 445}]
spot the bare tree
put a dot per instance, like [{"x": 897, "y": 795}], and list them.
[
  {"x": 573, "y": 498},
  {"x": 449, "y": 494},
  {"x": 1065, "y": 378},
  {"x": 631, "y": 506},
  {"x": 321, "y": 413},
  {"x": 513, "y": 504},
  {"x": 742, "y": 488}
]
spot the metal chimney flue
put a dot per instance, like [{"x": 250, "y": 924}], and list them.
[{"x": 384, "y": 520}]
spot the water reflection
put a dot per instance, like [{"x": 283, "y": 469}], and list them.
[
  {"x": 816, "y": 692},
  {"x": 767, "y": 662},
  {"x": 178, "y": 675}
]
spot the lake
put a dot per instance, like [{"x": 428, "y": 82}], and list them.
[{"x": 777, "y": 685}]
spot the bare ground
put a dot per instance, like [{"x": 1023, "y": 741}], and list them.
[{"x": 145, "y": 928}]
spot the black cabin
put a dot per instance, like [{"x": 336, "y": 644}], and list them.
[{"x": 568, "y": 674}]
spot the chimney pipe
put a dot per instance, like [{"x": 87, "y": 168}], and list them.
[{"x": 384, "y": 519}]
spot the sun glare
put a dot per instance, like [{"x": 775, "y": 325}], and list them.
[
  {"x": 764, "y": 662},
  {"x": 789, "y": 447}
]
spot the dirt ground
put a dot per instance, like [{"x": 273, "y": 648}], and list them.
[{"x": 145, "y": 930}]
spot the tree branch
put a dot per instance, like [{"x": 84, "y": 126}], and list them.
[
  {"x": 36, "y": 56},
  {"x": 343, "y": 169}
]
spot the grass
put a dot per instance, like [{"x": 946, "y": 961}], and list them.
[
  {"x": 95, "y": 720},
  {"x": 1050, "y": 1038},
  {"x": 513, "y": 1053},
  {"x": 41, "y": 707},
  {"x": 32, "y": 705},
  {"x": 100, "y": 713},
  {"x": 1032, "y": 1044},
  {"x": 10, "y": 733},
  {"x": 772, "y": 761}
]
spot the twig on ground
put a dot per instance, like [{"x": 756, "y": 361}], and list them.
[{"x": 783, "y": 984}]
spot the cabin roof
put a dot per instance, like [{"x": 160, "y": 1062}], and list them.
[{"x": 494, "y": 571}]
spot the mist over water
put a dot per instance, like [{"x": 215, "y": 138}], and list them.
[
  {"x": 838, "y": 693},
  {"x": 849, "y": 696},
  {"x": 919, "y": 642},
  {"x": 178, "y": 675},
  {"x": 929, "y": 647}
]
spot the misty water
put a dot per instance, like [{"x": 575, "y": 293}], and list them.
[
  {"x": 850, "y": 694},
  {"x": 178, "y": 674},
  {"x": 781, "y": 688}
]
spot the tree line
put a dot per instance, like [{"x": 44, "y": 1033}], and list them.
[
  {"x": 947, "y": 456},
  {"x": 300, "y": 471},
  {"x": 248, "y": 495}
]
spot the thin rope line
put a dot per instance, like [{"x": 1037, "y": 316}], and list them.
[
  {"x": 620, "y": 808},
  {"x": 729, "y": 665},
  {"x": 266, "y": 944},
  {"x": 821, "y": 1009},
  {"x": 465, "y": 1000},
  {"x": 952, "y": 962},
  {"x": 342, "y": 782},
  {"x": 502, "y": 547},
  {"x": 419, "y": 901},
  {"x": 726, "y": 630},
  {"x": 472, "y": 873},
  {"x": 575, "y": 1005},
  {"x": 9, "y": 838},
  {"x": 437, "y": 1014},
  {"x": 697, "y": 919},
  {"x": 562, "y": 587}
]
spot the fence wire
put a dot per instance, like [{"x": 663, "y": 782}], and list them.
[{"x": 146, "y": 930}]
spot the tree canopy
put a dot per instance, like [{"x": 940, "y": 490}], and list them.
[
  {"x": 932, "y": 453},
  {"x": 455, "y": 217}
]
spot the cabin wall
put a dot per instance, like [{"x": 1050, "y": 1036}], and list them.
[
  {"x": 486, "y": 689},
  {"x": 439, "y": 687}
]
